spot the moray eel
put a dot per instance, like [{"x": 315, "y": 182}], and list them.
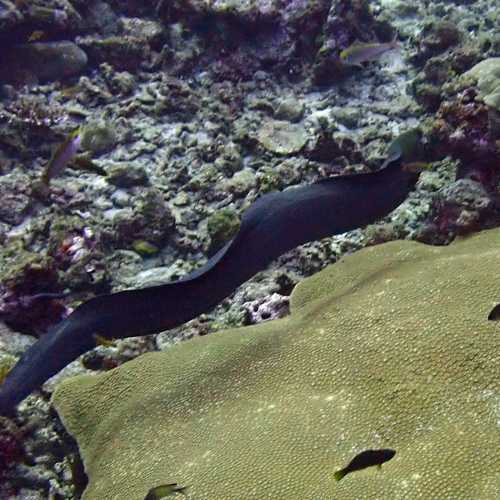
[{"x": 276, "y": 223}]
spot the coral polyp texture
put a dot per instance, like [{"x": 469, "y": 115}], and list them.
[{"x": 388, "y": 348}]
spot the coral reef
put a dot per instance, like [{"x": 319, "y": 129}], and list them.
[
  {"x": 267, "y": 308},
  {"x": 346, "y": 22},
  {"x": 465, "y": 127},
  {"x": 21, "y": 305},
  {"x": 42, "y": 61},
  {"x": 11, "y": 450},
  {"x": 150, "y": 220},
  {"x": 371, "y": 357}
]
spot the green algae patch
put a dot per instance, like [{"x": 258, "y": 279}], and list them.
[
  {"x": 388, "y": 348},
  {"x": 222, "y": 226}
]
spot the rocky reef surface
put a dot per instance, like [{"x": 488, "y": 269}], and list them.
[{"x": 191, "y": 111}]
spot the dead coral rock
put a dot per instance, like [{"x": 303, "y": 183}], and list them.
[
  {"x": 150, "y": 219},
  {"x": 45, "y": 61},
  {"x": 436, "y": 38},
  {"x": 19, "y": 307},
  {"x": 152, "y": 32},
  {"x": 463, "y": 129},
  {"x": 122, "y": 52},
  {"x": 10, "y": 16},
  {"x": 272, "y": 307},
  {"x": 460, "y": 207},
  {"x": 281, "y": 137},
  {"x": 124, "y": 175},
  {"x": 246, "y": 36},
  {"x": 16, "y": 200},
  {"x": 487, "y": 75}
]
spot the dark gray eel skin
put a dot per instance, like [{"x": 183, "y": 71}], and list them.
[{"x": 275, "y": 223}]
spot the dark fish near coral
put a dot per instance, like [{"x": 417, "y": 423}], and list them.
[
  {"x": 365, "y": 459},
  {"x": 359, "y": 52},
  {"x": 407, "y": 148},
  {"x": 165, "y": 490},
  {"x": 276, "y": 223},
  {"x": 64, "y": 153},
  {"x": 83, "y": 162},
  {"x": 494, "y": 313}
]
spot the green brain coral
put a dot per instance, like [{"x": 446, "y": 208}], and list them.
[{"x": 388, "y": 348}]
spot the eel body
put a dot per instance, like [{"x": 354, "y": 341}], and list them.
[{"x": 274, "y": 224}]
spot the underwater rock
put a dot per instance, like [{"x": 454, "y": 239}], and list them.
[
  {"x": 150, "y": 219},
  {"x": 125, "y": 175},
  {"x": 53, "y": 18},
  {"x": 461, "y": 208},
  {"x": 19, "y": 309},
  {"x": 122, "y": 52},
  {"x": 487, "y": 75},
  {"x": 10, "y": 16},
  {"x": 266, "y": 308},
  {"x": 241, "y": 182},
  {"x": 282, "y": 137},
  {"x": 244, "y": 37},
  {"x": 176, "y": 98},
  {"x": 46, "y": 61},
  {"x": 465, "y": 128},
  {"x": 221, "y": 227},
  {"x": 439, "y": 74},
  {"x": 99, "y": 17},
  {"x": 11, "y": 446},
  {"x": 152, "y": 32},
  {"x": 439, "y": 36},
  {"x": 289, "y": 109},
  {"x": 249, "y": 11},
  {"x": 15, "y": 196},
  {"x": 390, "y": 347}
]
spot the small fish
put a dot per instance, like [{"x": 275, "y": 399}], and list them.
[
  {"x": 50, "y": 295},
  {"x": 36, "y": 36},
  {"x": 165, "y": 490},
  {"x": 103, "y": 341},
  {"x": 63, "y": 154},
  {"x": 407, "y": 147},
  {"x": 359, "y": 52},
  {"x": 6, "y": 365},
  {"x": 365, "y": 459},
  {"x": 494, "y": 313},
  {"x": 83, "y": 162},
  {"x": 416, "y": 166}
]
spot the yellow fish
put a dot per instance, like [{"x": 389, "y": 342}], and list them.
[
  {"x": 63, "y": 154},
  {"x": 105, "y": 342},
  {"x": 36, "y": 36},
  {"x": 359, "y": 52}
]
